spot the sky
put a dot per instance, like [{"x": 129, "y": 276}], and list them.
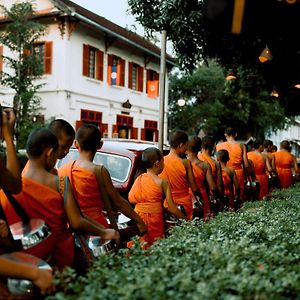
[{"x": 113, "y": 10}]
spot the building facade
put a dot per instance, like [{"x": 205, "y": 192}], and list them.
[{"x": 96, "y": 72}]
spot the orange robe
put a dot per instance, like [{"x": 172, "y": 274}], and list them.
[
  {"x": 205, "y": 157},
  {"x": 260, "y": 172},
  {"x": 175, "y": 172},
  {"x": 148, "y": 199},
  {"x": 228, "y": 188},
  {"x": 200, "y": 180},
  {"x": 284, "y": 162},
  {"x": 86, "y": 190},
  {"x": 235, "y": 162},
  {"x": 42, "y": 202}
]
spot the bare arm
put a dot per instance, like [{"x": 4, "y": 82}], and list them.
[
  {"x": 171, "y": 205},
  {"x": 210, "y": 179},
  {"x": 79, "y": 222},
  {"x": 190, "y": 177},
  {"x": 11, "y": 174},
  {"x": 219, "y": 179},
  {"x": 119, "y": 202}
]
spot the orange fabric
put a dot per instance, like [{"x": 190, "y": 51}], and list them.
[
  {"x": 174, "y": 171},
  {"x": 284, "y": 162},
  {"x": 42, "y": 202},
  {"x": 235, "y": 161},
  {"x": 148, "y": 199},
  {"x": 228, "y": 188},
  {"x": 260, "y": 172},
  {"x": 210, "y": 160},
  {"x": 86, "y": 190},
  {"x": 200, "y": 180}
]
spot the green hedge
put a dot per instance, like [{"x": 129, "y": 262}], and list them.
[{"x": 252, "y": 254}]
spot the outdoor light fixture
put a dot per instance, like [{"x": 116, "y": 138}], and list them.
[
  {"x": 274, "y": 94},
  {"x": 231, "y": 76},
  {"x": 265, "y": 55},
  {"x": 297, "y": 86},
  {"x": 181, "y": 102}
]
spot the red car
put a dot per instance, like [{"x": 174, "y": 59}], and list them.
[{"x": 121, "y": 157}]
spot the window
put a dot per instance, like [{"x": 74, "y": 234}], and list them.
[
  {"x": 92, "y": 62},
  {"x": 43, "y": 52},
  {"x": 152, "y": 83},
  {"x": 90, "y": 115},
  {"x": 115, "y": 70},
  {"x": 135, "y": 77}
]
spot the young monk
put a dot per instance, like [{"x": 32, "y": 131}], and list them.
[
  {"x": 203, "y": 175},
  {"x": 10, "y": 179},
  {"x": 285, "y": 164},
  {"x": 230, "y": 181},
  {"x": 238, "y": 159},
  {"x": 86, "y": 182},
  {"x": 41, "y": 198},
  {"x": 208, "y": 146},
  {"x": 148, "y": 193},
  {"x": 261, "y": 164},
  {"x": 179, "y": 173}
]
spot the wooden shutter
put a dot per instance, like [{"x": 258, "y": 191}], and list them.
[
  {"x": 140, "y": 78},
  {"x": 104, "y": 129},
  {"x": 78, "y": 124},
  {"x": 115, "y": 132},
  {"x": 122, "y": 72},
  {"x": 1, "y": 58},
  {"x": 130, "y": 75},
  {"x": 48, "y": 57},
  {"x": 85, "y": 60},
  {"x": 133, "y": 133},
  {"x": 99, "y": 66},
  {"x": 148, "y": 78},
  {"x": 155, "y": 135},
  {"x": 143, "y": 134},
  {"x": 109, "y": 64},
  {"x": 156, "y": 77}
]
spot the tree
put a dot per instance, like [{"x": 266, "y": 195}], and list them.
[
  {"x": 214, "y": 103},
  {"x": 24, "y": 64},
  {"x": 200, "y": 30}
]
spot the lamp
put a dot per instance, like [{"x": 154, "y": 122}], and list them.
[
  {"x": 274, "y": 94},
  {"x": 181, "y": 102},
  {"x": 231, "y": 76},
  {"x": 297, "y": 86},
  {"x": 265, "y": 55}
]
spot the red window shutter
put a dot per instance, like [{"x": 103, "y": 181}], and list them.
[
  {"x": 143, "y": 134},
  {"x": 122, "y": 72},
  {"x": 115, "y": 131},
  {"x": 148, "y": 78},
  {"x": 130, "y": 75},
  {"x": 48, "y": 57},
  {"x": 104, "y": 129},
  {"x": 156, "y": 76},
  {"x": 109, "y": 64},
  {"x": 133, "y": 133},
  {"x": 155, "y": 135},
  {"x": 78, "y": 124},
  {"x": 85, "y": 60},
  {"x": 1, "y": 58},
  {"x": 140, "y": 78},
  {"x": 99, "y": 68}
]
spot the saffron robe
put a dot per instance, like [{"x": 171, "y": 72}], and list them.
[
  {"x": 260, "y": 172},
  {"x": 284, "y": 162},
  {"x": 175, "y": 172},
  {"x": 86, "y": 190},
  {"x": 228, "y": 188},
  {"x": 42, "y": 202},
  {"x": 148, "y": 199},
  {"x": 205, "y": 157},
  {"x": 235, "y": 162},
  {"x": 201, "y": 183}
]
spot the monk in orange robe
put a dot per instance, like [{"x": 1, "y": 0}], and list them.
[
  {"x": 41, "y": 198},
  {"x": 203, "y": 175},
  {"x": 179, "y": 173},
  {"x": 85, "y": 178},
  {"x": 261, "y": 164},
  {"x": 238, "y": 158},
  {"x": 148, "y": 193},
  {"x": 285, "y": 164},
  {"x": 208, "y": 146},
  {"x": 230, "y": 180}
]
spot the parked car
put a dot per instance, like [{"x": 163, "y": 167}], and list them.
[{"x": 121, "y": 157}]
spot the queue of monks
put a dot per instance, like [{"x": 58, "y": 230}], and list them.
[{"x": 190, "y": 181}]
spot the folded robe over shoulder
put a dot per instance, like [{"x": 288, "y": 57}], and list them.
[
  {"x": 86, "y": 190},
  {"x": 148, "y": 199},
  {"x": 42, "y": 202},
  {"x": 175, "y": 172}
]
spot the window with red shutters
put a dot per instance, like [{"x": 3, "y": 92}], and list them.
[
  {"x": 152, "y": 86},
  {"x": 115, "y": 70},
  {"x": 135, "y": 77},
  {"x": 92, "y": 62}
]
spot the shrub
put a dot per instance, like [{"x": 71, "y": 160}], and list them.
[{"x": 252, "y": 254}]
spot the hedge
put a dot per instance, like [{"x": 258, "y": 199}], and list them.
[{"x": 251, "y": 254}]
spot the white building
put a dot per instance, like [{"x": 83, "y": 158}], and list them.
[{"x": 96, "y": 71}]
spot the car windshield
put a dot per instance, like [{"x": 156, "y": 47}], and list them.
[{"x": 117, "y": 166}]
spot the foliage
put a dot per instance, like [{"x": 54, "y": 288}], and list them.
[
  {"x": 19, "y": 37},
  {"x": 244, "y": 103},
  {"x": 252, "y": 254}
]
